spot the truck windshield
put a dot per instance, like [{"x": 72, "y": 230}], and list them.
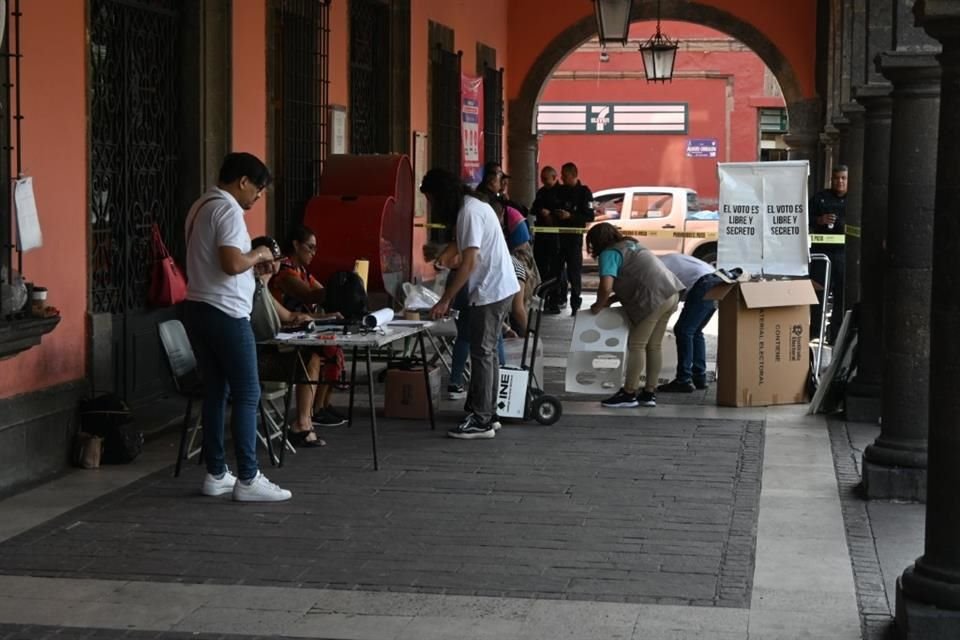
[{"x": 692, "y": 205}]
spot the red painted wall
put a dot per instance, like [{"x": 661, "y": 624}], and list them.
[
  {"x": 616, "y": 160},
  {"x": 472, "y": 22},
  {"x": 55, "y": 154},
  {"x": 249, "y": 84},
  {"x": 53, "y": 101},
  {"x": 791, "y": 26}
]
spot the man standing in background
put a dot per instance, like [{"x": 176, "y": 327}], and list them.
[
  {"x": 545, "y": 245},
  {"x": 573, "y": 209},
  {"x": 827, "y": 217}
]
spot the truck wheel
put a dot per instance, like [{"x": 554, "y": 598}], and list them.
[
  {"x": 546, "y": 409},
  {"x": 707, "y": 253}
]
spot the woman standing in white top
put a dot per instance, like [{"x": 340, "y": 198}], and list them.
[{"x": 220, "y": 290}]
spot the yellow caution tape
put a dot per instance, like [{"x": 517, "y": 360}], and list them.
[
  {"x": 652, "y": 233},
  {"x": 851, "y": 230},
  {"x": 574, "y": 230},
  {"x": 828, "y": 238}
]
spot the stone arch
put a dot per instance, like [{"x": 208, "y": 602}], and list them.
[
  {"x": 804, "y": 111},
  {"x": 578, "y": 33}
]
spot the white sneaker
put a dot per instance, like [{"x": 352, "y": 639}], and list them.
[
  {"x": 495, "y": 423},
  {"x": 259, "y": 490},
  {"x": 213, "y": 487}
]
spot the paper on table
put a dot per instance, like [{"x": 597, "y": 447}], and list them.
[{"x": 28, "y": 224}]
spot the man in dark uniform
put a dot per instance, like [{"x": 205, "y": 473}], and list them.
[
  {"x": 545, "y": 245},
  {"x": 574, "y": 210},
  {"x": 827, "y": 217}
]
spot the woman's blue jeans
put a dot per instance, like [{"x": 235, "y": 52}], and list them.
[
  {"x": 461, "y": 348},
  {"x": 227, "y": 356}
]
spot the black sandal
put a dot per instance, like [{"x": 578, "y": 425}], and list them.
[{"x": 299, "y": 439}]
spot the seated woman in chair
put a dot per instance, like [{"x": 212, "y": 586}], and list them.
[
  {"x": 301, "y": 431},
  {"x": 299, "y": 291}
]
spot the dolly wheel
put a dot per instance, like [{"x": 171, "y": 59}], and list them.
[{"x": 546, "y": 409}]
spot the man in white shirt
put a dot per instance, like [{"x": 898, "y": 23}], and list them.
[
  {"x": 220, "y": 290},
  {"x": 486, "y": 269},
  {"x": 697, "y": 277}
]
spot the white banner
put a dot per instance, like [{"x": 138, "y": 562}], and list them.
[
  {"x": 786, "y": 250},
  {"x": 763, "y": 217},
  {"x": 740, "y": 242}
]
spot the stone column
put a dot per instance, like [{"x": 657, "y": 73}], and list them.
[
  {"x": 851, "y": 154},
  {"x": 895, "y": 464},
  {"x": 863, "y": 393},
  {"x": 522, "y": 148},
  {"x": 928, "y": 593},
  {"x": 802, "y": 139}
]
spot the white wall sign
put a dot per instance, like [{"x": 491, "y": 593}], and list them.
[
  {"x": 28, "y": 223},
  {"x": 338, "y": 129}
]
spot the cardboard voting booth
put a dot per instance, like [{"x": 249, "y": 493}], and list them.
[
  {"x": 763, "y": 355},
  {"x": 763, "y": 217},
  {"x": 598, "y": 351}
]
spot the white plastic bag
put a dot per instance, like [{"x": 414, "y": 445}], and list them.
[{"x": 418, "y": 297}]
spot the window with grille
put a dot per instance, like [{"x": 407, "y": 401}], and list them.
[
  {"x": 493, "y": 114},
  {"x": 134, "y": 105},
  {"x": 445, "y": 67},
  {"x": 6, "y": 217},
  {"x": 299, "y": 83},
  {"x": 773, "y": 120},
  {"x": 370, "y": 104}
]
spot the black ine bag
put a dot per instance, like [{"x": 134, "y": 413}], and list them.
[{"x": 109, "y": 417}]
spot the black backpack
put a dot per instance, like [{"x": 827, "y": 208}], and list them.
[
  {"x": 109, "y": 417},
  {"x": 346, "y": 295}
]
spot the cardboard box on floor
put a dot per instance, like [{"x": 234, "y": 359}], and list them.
[
  {"x": 404, "y": 396},
  {"x": 763, "y": 353}
]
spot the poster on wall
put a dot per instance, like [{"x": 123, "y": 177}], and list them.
[
  {"x": 471, "y": 123},
  {"x": 763, "y": 217}
]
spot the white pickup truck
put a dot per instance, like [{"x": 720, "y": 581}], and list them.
[{"x": 664, "y": 219}]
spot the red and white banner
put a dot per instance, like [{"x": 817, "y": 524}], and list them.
[{"x": 471, "y": 123}]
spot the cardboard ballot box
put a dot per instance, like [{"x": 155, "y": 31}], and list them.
[
  {"x": 404, "y": 396},
  {"x": 763, "y": 352}
]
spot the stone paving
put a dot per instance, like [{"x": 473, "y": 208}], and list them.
[
  {"x": 40, "y": 632},
  {"x": 658, "y": 510},
  {"x": 642, "y": 524}
]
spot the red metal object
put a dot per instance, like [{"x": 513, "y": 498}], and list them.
[
  {"x": 351, "y": 228},
  {"x": 370, "y": 175},
  {"x": 364, "y": 209}
]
